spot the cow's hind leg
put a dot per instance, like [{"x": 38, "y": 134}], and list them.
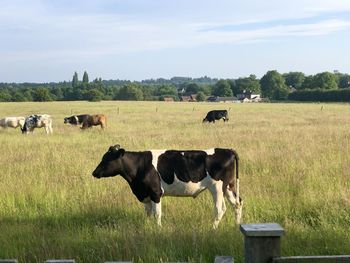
[
  {"x": 236, "y": 204},
  {"x": 220, "y": 207}
]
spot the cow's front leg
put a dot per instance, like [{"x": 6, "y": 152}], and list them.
[
  {"x": 157, "y": 210},
  {"x": 148, "y": 209}
]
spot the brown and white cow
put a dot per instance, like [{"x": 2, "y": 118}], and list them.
[
  {"x": 37, "y": 121},
  {"x": 156, "y": 173},
  {"x": 87, "y": 121},
  {"x": 12, "y": 122}
]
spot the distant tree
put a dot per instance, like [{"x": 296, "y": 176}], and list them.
[
  {"x": 85, "y": 77},
  {"x": 250, "y": 83},
  {"x": 206, "y": 89},
  {"x": 273, "y": 86},
  {"x": 130, "y": 92},
  {"x": 94, "y": 95},
  {"x": 343, "y": 81},
  {"x": 308, "y": 82},
  {"x": 192, "y": 88},
  {"x": 167, "y": 90},
  {"x": 75, "y": 81},
  {"x": 200, "y": 96},
  {"x": 18, "y": 96},
  {"x": 325, "y": 80},
  {"x": 5, "y": 95},
  {"x": 294, "y": 79},
  {"x": 42, "y": 94},
  {"x": 57, "y": 93},
  {"x": 222, "y": 88}
]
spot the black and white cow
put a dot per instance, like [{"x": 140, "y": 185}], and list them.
[
  {"x": 214, "y": 115},
  {"x": 76, "y": 119},
  {"x": 37, "y": 121},
  {"x": 156, "y": 173}
]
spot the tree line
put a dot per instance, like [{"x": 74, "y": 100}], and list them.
[{"x": 325, "y": 86}]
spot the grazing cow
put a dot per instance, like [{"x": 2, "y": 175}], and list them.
[
  {"x": 216, "y": 115},
  {"x": 37, "y": 121},
  {"x": 156, "y": 173},
  {"x": 87, "y": 121},
  {"x": 76, "y": 119},
  {"x": 12, "y": 122}
]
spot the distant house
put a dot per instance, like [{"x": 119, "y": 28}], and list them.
[
  {"x": 249, "y": 96},
  {"x": 168, "y": 99},
  {"x": 222, "y": 99},
  {"x": 189, "y": 98}
]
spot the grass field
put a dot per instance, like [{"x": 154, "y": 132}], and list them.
[{"x": 294, "y": 170}]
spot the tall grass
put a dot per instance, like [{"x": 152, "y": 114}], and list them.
[{"x": 295, "y": 170}]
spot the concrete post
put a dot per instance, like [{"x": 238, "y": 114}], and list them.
[
  {"x": 262, "y": 242},
  {"x": 60, "y": 261}
]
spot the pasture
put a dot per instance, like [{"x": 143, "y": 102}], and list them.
[{"x": 294, "y": 170}]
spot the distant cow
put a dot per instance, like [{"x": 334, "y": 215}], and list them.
[
  {"x": 156, "y": 173},
  {"x": 216, "y": 115},
  {"x": 87, "y": 120},
  {"x": 12, "y": 122},
  {"x": 37, "y": 121}
]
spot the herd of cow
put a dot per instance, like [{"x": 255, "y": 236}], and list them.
[
  {"x": 28, "y": 124},
  {"x": 156, "y": 173}
]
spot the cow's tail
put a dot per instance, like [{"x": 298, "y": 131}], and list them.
[{"x": 237, "y": 173}]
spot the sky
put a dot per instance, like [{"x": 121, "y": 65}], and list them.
[{"x": 48, "y": 40}]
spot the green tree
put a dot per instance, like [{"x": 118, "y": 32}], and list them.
[
  {"x": 94, "y": 95},
  {"x": 192, "y": 88},
  {"x": 167, "y": 90},
  {"x": 18, "y": 96},
  {"x": 294, "y": 79},
  {"x": 5, "y": 95},
  {"x": 42, "y": 94},
  {"x": 250, "y": 83},
  {"x": 200, "y": 96},
  {"x": 273, "y": 86},
  {"x": 75, "y": 81},
  {"x": 343, "y": 81},
  {"x": 130, "y": 92},
  {"x": 308, "y": 82},
  {"x": 222, "y": 88},
  {"x": 85, "y": 77},
  {"x": 325, "y": 80}
]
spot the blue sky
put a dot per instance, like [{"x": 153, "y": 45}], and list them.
[{"x": 47, "y": 40}]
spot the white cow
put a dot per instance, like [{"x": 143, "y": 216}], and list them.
[
  {"x": 37, "y": 121},
  {"x": 12, "y": 122}
]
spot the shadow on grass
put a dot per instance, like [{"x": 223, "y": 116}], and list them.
[{"x": 100, "y": 235}]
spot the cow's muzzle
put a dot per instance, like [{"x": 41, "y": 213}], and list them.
[{"x": 96, "y": 174}]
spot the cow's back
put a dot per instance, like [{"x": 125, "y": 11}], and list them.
[{"x": 187, "y": 166}]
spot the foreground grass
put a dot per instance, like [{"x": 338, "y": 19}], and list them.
[{"x": 295, "y": 170}]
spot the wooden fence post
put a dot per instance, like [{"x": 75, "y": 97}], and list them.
[{"x": 262, "y": 242}]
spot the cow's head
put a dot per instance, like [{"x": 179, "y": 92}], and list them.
[
  {"x": 111, "y": 164},
  {"x": 66, "y": 120},
  {"x": 25, "y": 127}
]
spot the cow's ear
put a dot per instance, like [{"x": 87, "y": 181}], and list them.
[{"x": 121, "y": 152}]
